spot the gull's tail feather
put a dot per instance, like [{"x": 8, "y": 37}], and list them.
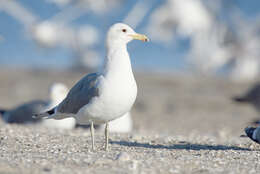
[
  {"x": 47, "y": 114},
  {"x": 51, "y": 114}
]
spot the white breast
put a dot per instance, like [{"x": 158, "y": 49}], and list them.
[
  {"x": 117, "y": 90},
  {"x": 116, "y": 98}
]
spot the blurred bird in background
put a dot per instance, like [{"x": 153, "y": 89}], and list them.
[
  {"x": 252, "y": 97},
  {"x": 215, "y": 44},
  {"x": 253, "y": 133},
  {"x": 24, "y": 112},
  {"x": 57, "y": 93},
  {"x": 123, "y": 124},
  {"x": 209, "y": 24}
]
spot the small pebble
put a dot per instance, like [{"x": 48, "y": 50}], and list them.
[{"x": 123, "y": 156}]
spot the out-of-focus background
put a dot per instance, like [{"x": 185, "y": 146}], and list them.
[
  {"x": 204, "y": 55},
  {"x": 201, "y": 54}
]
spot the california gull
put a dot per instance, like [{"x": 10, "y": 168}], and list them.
[{"x": 99, "y": 98}]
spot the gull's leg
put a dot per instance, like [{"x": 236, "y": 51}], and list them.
[
  {"x": 92, "y": 130},
  {"x": 106, "y": 135}
]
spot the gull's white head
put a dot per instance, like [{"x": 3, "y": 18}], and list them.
[
  {"x": 58, "y": 92},
  {"x": 121, "y": 34}
]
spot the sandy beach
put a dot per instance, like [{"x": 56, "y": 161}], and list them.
[{"x": 182, "y": 124}]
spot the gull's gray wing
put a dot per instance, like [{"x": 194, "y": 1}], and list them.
[{"x": 80, "y": 95}]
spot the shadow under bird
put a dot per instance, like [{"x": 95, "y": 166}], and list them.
[
  {"x": 252, "y": 96},
  {"x": 99, "y": 98}
]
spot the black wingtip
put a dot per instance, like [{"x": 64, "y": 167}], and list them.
[
  {"x": 50, "y": 112},
  {"x": 45, "y": 114}
]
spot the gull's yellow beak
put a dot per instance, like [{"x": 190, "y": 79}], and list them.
[{"x": 139, "y": 37}]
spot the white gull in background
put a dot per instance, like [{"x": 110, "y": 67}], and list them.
[
  {"x": 99, "y": 98},
  {"x": 57, "y": 93},
  {"x": 123, "y": 124}
]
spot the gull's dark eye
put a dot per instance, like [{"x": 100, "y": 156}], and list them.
[{"x": 124, "y": 30}]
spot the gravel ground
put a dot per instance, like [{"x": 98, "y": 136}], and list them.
[
  {"x": 32, "y": 149},
  {"x": 183, "y": 124}
]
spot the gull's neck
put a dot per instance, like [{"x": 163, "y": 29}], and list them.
[{"x": 117, "y": 63}]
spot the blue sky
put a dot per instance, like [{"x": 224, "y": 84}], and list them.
[{"x": 18, "y": 50}]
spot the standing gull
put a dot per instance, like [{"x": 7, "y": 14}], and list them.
[{"x": 99, "y": 98}]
